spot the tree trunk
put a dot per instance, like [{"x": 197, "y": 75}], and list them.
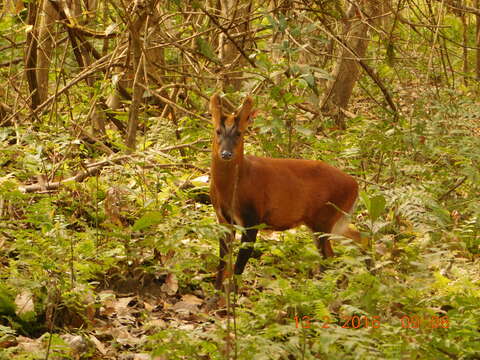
[
  {"x": 31, "y": 56},
  {"x": 346, "y": 71},
  {"x": 238, "y": 14},
  {"x": 463, "y": 18},
  {"x": 46, "y": 40}
]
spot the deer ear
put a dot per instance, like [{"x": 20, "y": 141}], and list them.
[
  {"x": 245, "y": 112},
  {"x": 215, "y": 108}
]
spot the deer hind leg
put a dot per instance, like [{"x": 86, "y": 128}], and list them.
[
  {"x": 332, "y": 220},
  {"x": 323, "y": 244},
  {"x": 341, "y": 227},
  {"x": 321, "y": 238},
  {"x": 322, "y": 224}
]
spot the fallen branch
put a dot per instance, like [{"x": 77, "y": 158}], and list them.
[
  {"x": 111, "y": 161},
  {"x": 94, "y": 168},
  {"x": 48, "y": 186}
]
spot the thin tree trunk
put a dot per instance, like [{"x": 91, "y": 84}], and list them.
[
  {"x": 477, "y": 42},
  {"x": 137, "y": 57},
  {"x": 97, "y": 116},
  {"x": 31, "y": 56},
  {"x": 463, "y": 17},
  {"x": 278, "y": 8}
]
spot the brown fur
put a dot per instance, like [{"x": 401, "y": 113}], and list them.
[{"x": 280, "y": 193}]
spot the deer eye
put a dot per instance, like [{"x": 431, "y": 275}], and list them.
[
  {"x": 218, "y": 131},
  {"x": 238, "y": 133}
]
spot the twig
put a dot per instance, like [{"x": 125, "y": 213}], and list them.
[
  {"x": 170, "y": 102},
  {"x": 112, "y": 160},
  {"x": 11, "y": 62},
  {"x": 86, "y": 31},
  {"x": 180, "y": 165},
  {"x": 174, "y": 147},
  {"x": 96, "y": 66},
  {"x": 372, "y": 183},
  {"x": 457, "y": 185},
  {"x": 225, "y": 31},
  {"x": 12, "y": 45},
  {"x": 434, "y": 41},
  {"x": 468, "y": 9}
]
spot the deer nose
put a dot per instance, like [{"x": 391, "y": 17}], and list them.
[{"x": 226, "y": 155}]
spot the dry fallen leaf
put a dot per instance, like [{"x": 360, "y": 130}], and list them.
[
  {"x": 24, "y": 302},
  {"x": 8, "y": 341},
  {"x": 108, "y": 300},
  {"x": 157, "y": 324},
  {"x": 166, "y": 305},
  {"x": 185, "y": 307},
  {"x": 99, "y": 345},
  {"x": 79, "y": 345},
  {"x": 121, "y": 306},
  {"x": 171, "y": 284},
  {"x": 149, "y": 307},
  {"x": 28, "y": 345},
  {"x": 141, "y": 357},
  {"x": 138, "y": 356},
  {"x": 192, "y": 299}
]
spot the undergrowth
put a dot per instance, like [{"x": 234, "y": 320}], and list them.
[{"x": 134, "y": 227}]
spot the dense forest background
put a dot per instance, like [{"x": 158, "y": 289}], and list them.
[{"x": 108, "y": 243}]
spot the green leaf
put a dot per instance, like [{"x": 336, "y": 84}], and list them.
[
  {"x": 365, "y": 199},
  {"x": 282, "y": 23},
  {"x": 7, "y": 304},
  {"x": 195, "y": 4},
  {"x": 147, "y": 220},
  {"x": 390, "y": 54},
  {"x": 310, "y": 80},
  {"x": 377, "y": 206},
  {"x": 206, "y": 50},
  {"x": 272, "y": 21},
  {"x": 321, "y": 73}
]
